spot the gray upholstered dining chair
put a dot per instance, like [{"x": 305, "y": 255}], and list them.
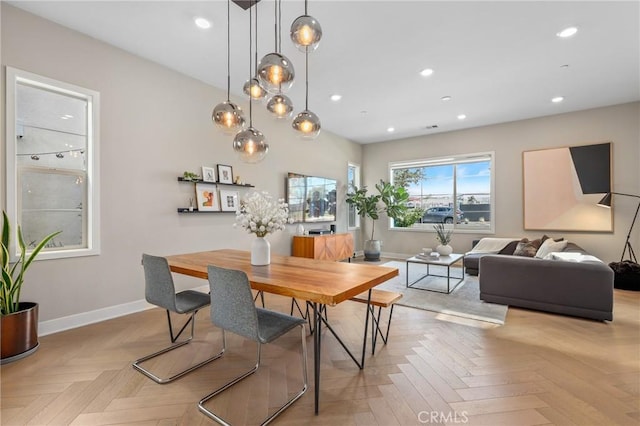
[
  {"x": 160, "y": 291},
  {"x": 233, "y": 309}
]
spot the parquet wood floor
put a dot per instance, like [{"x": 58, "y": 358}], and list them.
[{"x": 537, "y": 369}]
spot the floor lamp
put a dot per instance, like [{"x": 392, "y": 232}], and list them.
[{"x": 606, "y": 202}]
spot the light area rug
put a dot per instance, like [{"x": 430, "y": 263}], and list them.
[{"x": 464, "y": 301}]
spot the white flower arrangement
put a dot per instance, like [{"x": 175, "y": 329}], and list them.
[{"x": 260, "y": 214}]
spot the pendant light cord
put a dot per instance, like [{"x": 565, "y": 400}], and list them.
[
  {"x": 279, "y": 26},
  {"x": 228, "y": 51},
  {"x": 306, "y": 77},
  {"x": 275, "y": 25},
  {"x": 255, "y": 62},
  {"x": 250, "y": 56}
]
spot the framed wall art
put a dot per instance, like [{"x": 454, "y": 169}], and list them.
[
  {"x": 562, "y": 187},
  {"x": 229, "y": 201},
  {"x": 225, "y": 174},
  {"x": 207, "y": 198},
  {"x": 208, "y": 174}
]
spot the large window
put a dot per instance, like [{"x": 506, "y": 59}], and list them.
[
  {"x": 52, "y": 147},
  {"x": 456, "y": 191},
  {"x": 353, "y": 181}
]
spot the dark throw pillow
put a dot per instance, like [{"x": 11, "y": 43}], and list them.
[{"x": 528, "y": 248}]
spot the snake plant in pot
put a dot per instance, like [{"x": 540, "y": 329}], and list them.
[
  {"x": 391, "y": 199},
  {"x": 18, "y": 320}
]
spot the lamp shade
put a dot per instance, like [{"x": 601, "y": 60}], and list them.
[
  {"x": 228, "y": 117},
  {"x": 606, "y": 200},
  {"x": 276, "y": 72},
  {"x": 307, "y": 124},
  {"x": 280, "y": 106},
  {"x": 306, "y": 33},
  {"x": 250, "y": 145}
]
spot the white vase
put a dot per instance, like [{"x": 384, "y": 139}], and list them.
[
  {"x": 444, "y": 250},
  {"x": 260, "y": 252},
  {"x": 300, "y": 229}
]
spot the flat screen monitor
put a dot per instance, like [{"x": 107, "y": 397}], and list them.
[{"x": 311, "y": 198}]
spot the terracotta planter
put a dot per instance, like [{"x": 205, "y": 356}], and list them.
[{"x": 19, "y": 333}]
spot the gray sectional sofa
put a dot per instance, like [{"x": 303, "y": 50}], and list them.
[{"x": 583, "y": 289}]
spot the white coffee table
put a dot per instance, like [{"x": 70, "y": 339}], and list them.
[{"x": 439, "y": 261}]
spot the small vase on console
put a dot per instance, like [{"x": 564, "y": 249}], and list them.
[{"x": 260, "y": 252}]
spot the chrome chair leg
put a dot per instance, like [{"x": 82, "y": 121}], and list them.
[
  {"x": 136, "y": 365},
  {"x": 246, "y": 374}
]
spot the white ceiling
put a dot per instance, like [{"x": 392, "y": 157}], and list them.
[{"x": 499, "y": 61}]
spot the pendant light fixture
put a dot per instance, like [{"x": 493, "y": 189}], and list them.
[
  {"x": 228, "y": 116},
  {"x": 307, "y": 123},
  {"x": 306, "y": 32},
  {"x": 252, "y": 86},
  {"x": 280, "y": 106},
  {"x": 250, "y": 144},
  {"x": 275, "y": 71}
]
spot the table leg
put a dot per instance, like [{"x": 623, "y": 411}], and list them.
[
  {"x": 407, "y": 268},
  {"x": 366, "y": 326},
  {"x": 316, "y": 353}
]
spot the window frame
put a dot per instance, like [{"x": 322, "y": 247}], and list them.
[
  {"x": 91, "y": 235},
  {"x": 356, "y": 182},
  {"x": 453, "y": 159}
]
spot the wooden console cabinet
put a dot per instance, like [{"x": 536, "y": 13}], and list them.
[{"x": 323, "y": 247}]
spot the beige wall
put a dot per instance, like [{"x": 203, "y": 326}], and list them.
[
  {"x": 618, "y": 124},
  {"x": 155, "y": 124}
]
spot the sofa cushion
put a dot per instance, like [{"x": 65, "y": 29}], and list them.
[
  {"x": 550, "y": 246},
  {"x": 527, "y": 248}
]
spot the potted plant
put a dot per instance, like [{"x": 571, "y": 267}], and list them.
[
  {"x": 391, "y": 200},
  {"x": 443, "y": 236},
  {"x": 18, "y": 320}
]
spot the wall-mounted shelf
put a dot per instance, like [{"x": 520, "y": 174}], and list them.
[
  {"x": 185, "y": 210},
  {"x": 245, "y": 185}
]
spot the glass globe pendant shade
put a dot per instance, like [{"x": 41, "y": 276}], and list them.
[
  {"x": 280, "y": 106},
  {"x": 228, "y": 117},
  {"x": 306, "y": 33},
  {"x": 307, "y": 124},
  {"x": 250, "y": 145},
  {"x": 254, "y": 89},
  {"x": 276, "y": 73}
]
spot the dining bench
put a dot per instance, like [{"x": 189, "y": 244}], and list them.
[{"x": 380, "y": 299}]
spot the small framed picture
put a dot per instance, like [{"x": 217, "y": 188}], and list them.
[
  {"x": 207, "y": 198},
  {"x": 225, "y": 174},
  {"x": 208, "y": 174},
  {"x": 229, "y": 201}
]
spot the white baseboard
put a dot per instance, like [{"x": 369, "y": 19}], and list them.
[{"x": 85, "y": 318}]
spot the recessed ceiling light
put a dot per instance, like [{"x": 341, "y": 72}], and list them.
[
  {"x": 557, "y": 99},
  {"x": 445, "y": 98},
  {"x": 202, "y": 23},
  {"x": 390, "y": 129},
  {"x": 567, "y": 32},
  {"x": 66, "y": 117},
  {"x": 336, "y": 98},
  {"x": 426, "y": 72},
  {"x": 461, "y": 117},
  {"x": 433, "y": 126}
]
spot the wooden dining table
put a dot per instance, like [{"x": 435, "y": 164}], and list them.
[{"x": 319, "y": 282}]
